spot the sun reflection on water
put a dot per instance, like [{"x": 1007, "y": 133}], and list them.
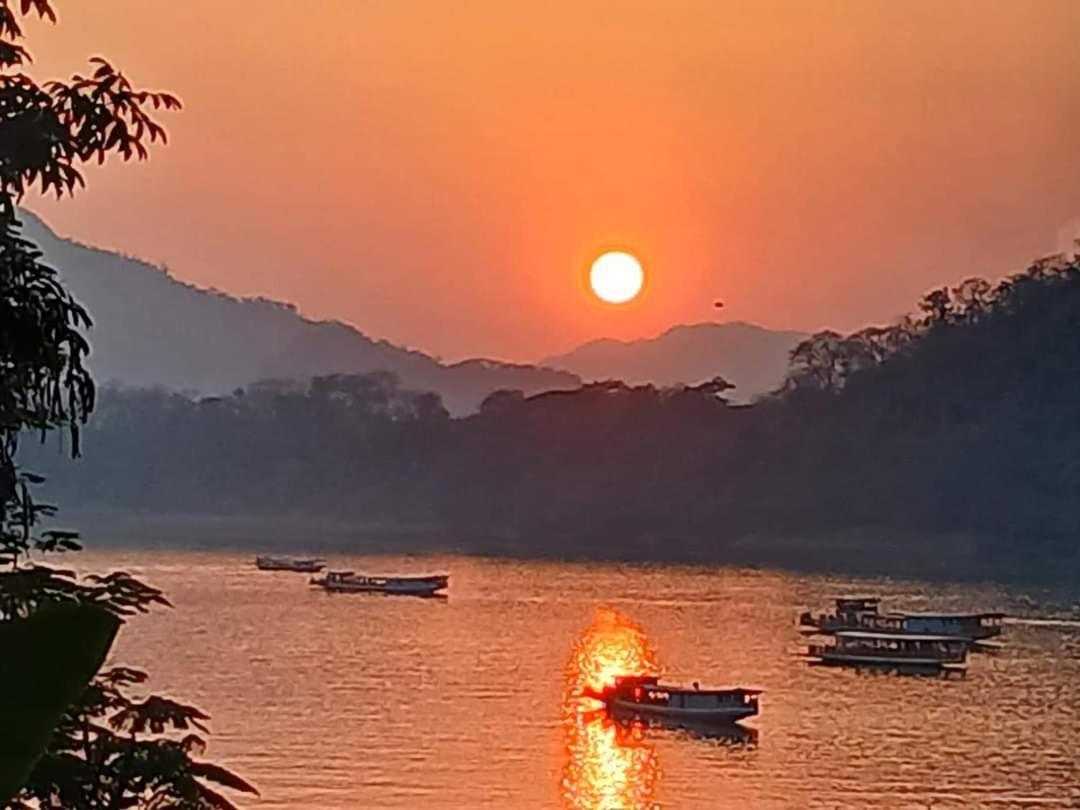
[{"x": 609, "y": 766}]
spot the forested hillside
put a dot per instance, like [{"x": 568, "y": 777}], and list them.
[
  {"x": 152, "y": 329},
  {"x": 960, "y": 422}
]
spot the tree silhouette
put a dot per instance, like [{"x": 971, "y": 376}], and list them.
[{"x": 109, "y": 751}]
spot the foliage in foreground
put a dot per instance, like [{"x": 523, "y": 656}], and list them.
[
  {"x": 51, "y": 656},
  {"x": 108, "y": 748}
]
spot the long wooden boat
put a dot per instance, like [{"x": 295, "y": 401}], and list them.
[
  {"x": 303, "y": 565},
  {"x": 646, "y": 697},
  {"x": 863, "y": 613},
  {"x": 896, "y": 651},
  {"x": 349, "y": 582}
]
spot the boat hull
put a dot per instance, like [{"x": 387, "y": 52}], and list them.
[
  {"x": 398, "y": 590},
  {"x": 912, "y": 664},
  {"x": 716, "y": 715}
]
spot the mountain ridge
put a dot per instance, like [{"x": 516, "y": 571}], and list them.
[
  {"x": 153, "y": 329},
  {"x": 753, "y": 358}
]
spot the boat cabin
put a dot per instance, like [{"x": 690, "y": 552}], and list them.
[
  {"x": 863, "y": 614},
  {"x": 971, "y": 625},
  {"x": 851, "y": 612},
  {"x": 647, "y": 696},
  {"x": 650, "y": 690},
  {"x": 897, "y": 647}
]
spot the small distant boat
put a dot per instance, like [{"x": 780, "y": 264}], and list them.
[
  {"x": 862, "y": 613},
  {"x": 305, "y": 565},
  {"x": 893, "y": 651},
  {"x": 349, "y": 582},
  {"x": 646, "y": 697}
]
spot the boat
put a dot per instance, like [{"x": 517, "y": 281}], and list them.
[
  {"x": 974, "y": 626},
  {"x": 303, "y": 565},
  {"x": 850, "y": 613},
  {"x": 647, "y": 698},
  {"x": 862, "y": 613},
  {"x": 349, "y": 582},
  {"x": 894, "y": 651}
]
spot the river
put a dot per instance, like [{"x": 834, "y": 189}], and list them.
[{"x": 352, "y": 701}]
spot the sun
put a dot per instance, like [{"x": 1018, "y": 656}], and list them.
[{"x": 616, "y": 277}]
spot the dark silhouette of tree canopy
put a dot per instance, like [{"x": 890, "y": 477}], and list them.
[
  {"x": 957, "y": 421},
  {"x": 110, "y": 751},
  {"x": 47, "y": 130}
]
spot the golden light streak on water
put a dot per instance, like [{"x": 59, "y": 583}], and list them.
[{"x": 609, "y": 766}]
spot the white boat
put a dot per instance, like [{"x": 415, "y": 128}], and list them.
[
  {"x": 646, "y": 697},
  {"x": 897, "y": 651},
  {"x": 349, "y": 582},
  {"x": 303, "y": 565}
]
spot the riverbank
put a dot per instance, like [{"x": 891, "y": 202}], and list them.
[{"x": 867, "y": 552}]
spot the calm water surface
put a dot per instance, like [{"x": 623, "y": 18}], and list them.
[{"x": 351, "y": 701}]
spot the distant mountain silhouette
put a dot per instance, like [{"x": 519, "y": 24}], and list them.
[
  {"x": 151, "y": 329},
  {"x": 755, "y": 359}
]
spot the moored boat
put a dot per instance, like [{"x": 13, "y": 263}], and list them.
[
  {"x": 896, "y": 651},
  {"x": 349, "y": 582},
  {"x": 974, "y": 626},
  {"x": 303, "y": 565},
  {"x": 852, "y": 614},
  {"x": 646, "y": 697}
]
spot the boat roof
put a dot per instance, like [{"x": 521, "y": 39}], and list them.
[
  {"x": 866, "y": 634},
  {"x": 689, "y": 690},
  {"x": 870, "y": 599},
  {"x": 979, "y": 615}
]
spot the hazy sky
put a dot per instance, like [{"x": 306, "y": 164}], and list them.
[{"x": 440, "y": 173}]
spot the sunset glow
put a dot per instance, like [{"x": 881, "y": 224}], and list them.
[
  {"x": 616, "y": 277},
  {"x": 744, "y": 144},
  {"x": 415, "y": 352},
  {"x": 612, "y": 646},
  {"x": 607, "y": 765}
]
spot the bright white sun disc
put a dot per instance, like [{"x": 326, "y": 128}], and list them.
[{"x": 616, "y": 277}]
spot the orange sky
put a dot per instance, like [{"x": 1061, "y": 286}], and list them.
[{"x": 439, "y": 172}]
